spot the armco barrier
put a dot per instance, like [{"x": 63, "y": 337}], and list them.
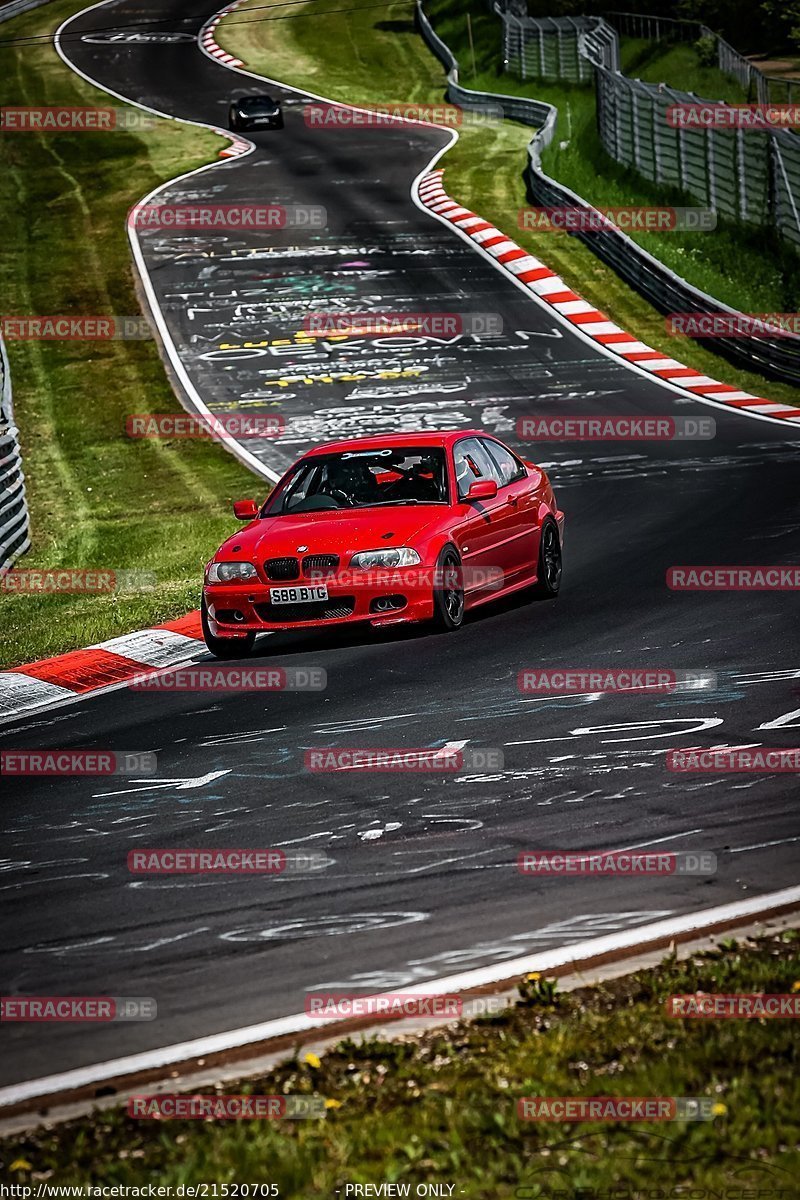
[
  {"x": 14, "y": 522},
  {"x": 540, "y": 115},
  {"x": 16, "y": 7},
  {"x": 553, "y": 47},
  {"x": 778, "y": 358},
  {"x": 515, "y": 108},
  {"x": 762, "y": 88},
  {"x": 745, "y": 175}
]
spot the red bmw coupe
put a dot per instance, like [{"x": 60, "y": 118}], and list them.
[{"x": 400, "y": 527}]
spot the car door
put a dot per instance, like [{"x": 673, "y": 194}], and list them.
[
  {"x": 517, "y": 518},
  {"x": 479, "y": 541}
]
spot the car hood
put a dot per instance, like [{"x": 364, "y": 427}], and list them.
[{"x": 344, "y": 532}]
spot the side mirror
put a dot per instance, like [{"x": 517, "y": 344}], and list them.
[
  {"x": 245, "y": 510},
  {"x": 482, "y": 489}
]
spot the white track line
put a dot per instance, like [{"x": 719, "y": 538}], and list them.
[
  {"x": 550, "y": 960},
  {"x": 576, "y": 330},
  {"x": 300, "y": 1023},
  {"x": 244, "y": 455},
  {"x": 235, "y": 448}
]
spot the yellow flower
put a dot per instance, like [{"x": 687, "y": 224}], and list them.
[
  {"x": 331, "y": 1103},
  {"x": 20, "y": 1164},
  {"x": 533, "y": 975},
  {"x": 719, "y": 1109},
  {"x": 312, "y": 1060},
  {"x": 796, "y": 985}
]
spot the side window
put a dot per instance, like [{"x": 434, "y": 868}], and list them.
[
  {"x": 507, "y": 467},
  {"x": 471, "y": 462},
  {"x": 305, "y": 483}
]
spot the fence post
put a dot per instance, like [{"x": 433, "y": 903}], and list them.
[
  {"x": 15, "y": 528},
  {"x": 712, "y": 183},
  {"x": 683, "y": 174},
  {"x": 637, "y": 152},
  {"x": 656, "y": 129}
]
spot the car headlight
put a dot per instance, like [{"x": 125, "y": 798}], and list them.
[
  {"x": 230, "y": 572},
  {"x": 399, "y": 556}
]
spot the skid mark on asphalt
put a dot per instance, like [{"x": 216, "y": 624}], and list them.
[
  {"x": 325, "y": 926},
  {"x": 573, "y": 929},
  {"x": 571, "y": 471},
  {"x": 133, "y": 943}
]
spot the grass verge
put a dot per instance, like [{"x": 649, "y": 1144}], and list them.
[
  {"x": 677, "y": 64},
  {"x": 368, "y": 56},
  {"x": 96, "y": 498},
  {"x": 767, "y": 275},
  {"x": 442, "y": 1107}
]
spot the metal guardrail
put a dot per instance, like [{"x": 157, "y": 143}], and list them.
[
  {"x": 778, "y": 357},
  {"x": 762, "y": 88},
  {"x": 747, "y": 175},
  {"x": 553, "y": 47},
  {"x": 16, "y": 7},
  {"x": 14, "y": 521},
  {"x": 515, "y": 108}
]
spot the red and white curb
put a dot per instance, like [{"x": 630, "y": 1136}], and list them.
[
  {"x": 550, "y": 288},
  {"x": 237, "y": 147},
  {"x": 209, "y": 41},
  {"x": 53, "y": 681}
]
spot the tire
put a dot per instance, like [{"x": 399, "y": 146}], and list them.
[
  {"x": 233, "y": 122},
  {"x": 224, "y": 647},
  {"x": 448, "y": 598},
  {"x": 549, "y": 565}
]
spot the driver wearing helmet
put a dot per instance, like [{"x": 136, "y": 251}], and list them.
[{"x": 354, "y": 479}]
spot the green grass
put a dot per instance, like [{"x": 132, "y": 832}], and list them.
[
  {"x": 767, "y": 278},
  {"x": 442, "y": 1107},
  {"x": 677, "y": 64},
  {"x": 96, "y": 498},
  {"x": 374, "y": 56}
]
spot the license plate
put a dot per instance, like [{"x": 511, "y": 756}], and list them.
[{"x": 298, "y": 595}]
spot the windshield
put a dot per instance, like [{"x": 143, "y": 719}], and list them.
[
  {"x": 257, "y": 104},
  {"x": 363, "y": 479}
]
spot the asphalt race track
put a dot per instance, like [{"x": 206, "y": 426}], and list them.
[{"x": 423, "y": 879}]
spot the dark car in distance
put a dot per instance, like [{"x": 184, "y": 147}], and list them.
[{"x": 255, "y": 112}]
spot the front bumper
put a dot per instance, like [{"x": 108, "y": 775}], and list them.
[
  {"x": 247, "y": 608},
  {"x": 263, "y": 122}
]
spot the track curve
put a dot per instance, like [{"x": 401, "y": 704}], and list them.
[{"x": 424, "y": 877}]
